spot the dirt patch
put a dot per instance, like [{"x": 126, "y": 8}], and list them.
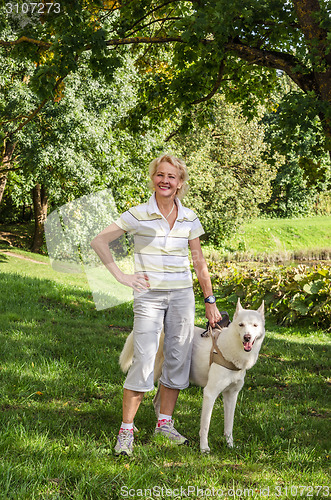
[
  {"x": 15, "y": 239},
  {"x": 12, "y": 254}
]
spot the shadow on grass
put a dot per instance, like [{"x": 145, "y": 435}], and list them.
[{"x": 3, "y": 257}]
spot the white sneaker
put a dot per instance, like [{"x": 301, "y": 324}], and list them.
[
  {"x": 124, "y": 445},
  {"x": 167, "y": 429}
]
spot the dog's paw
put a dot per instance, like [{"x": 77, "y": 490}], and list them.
[
  {"x": 229, "y": 441},
  {"x": 205, "y": 450}
]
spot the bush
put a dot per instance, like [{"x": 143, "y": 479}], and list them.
[
  {"x": 323, "y": 203},
  {"x": 291, "y": 294}
]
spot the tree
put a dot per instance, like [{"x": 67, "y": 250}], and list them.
[
  {"x": 305, "y": 172},
  {"x": 229, "y": 176},
  {"x": 60, "y": 155},
  {"x": 188, "y": 50},
  {"x": 75, "y": 147},
  {"x": 16, "y": 101}
]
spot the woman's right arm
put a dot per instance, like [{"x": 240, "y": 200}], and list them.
[{"x": 100, "y": 245}]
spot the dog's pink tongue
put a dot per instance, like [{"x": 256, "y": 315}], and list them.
[{"x": 248, "y": 346}]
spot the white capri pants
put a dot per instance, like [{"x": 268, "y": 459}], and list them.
[{"x": 174, "y": 311}]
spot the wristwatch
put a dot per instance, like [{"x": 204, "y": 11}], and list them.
[{"x": 211, "y": 299}]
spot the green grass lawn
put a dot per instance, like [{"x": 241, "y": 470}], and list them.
[
  {"x": 307, "y": 237},
  {"x": 61, "y": 391}
]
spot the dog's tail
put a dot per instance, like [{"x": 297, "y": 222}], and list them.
[{"x": 126, "y": 355}]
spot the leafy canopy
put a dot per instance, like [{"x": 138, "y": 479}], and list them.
[{"x": 186, "y": 50}]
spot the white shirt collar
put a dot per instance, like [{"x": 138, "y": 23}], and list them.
[{"x": 152, "y": 207}]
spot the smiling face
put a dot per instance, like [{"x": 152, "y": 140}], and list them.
[{"x": 166, "y": 181}]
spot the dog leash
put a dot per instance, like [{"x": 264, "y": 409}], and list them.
[
  {"x": 225, "y": 321},
  {"x": 217, "y": 357}
]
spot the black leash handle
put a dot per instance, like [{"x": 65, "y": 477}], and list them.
[{"x": 223, "y": 323}]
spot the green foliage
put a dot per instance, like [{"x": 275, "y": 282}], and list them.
[
  {"x": 305, "y": 170},
  {"x": 179, "y": 54},
  {"x": 323, "y": 203},
  {"x": 186, "y": 50},
  {"x": 292, "y": 195},
  {"x": 290, "y": 293},
  {"x": 236, "y": 47},
  {"x": 75, "y": 146},
  {"x": 295, "y": 124},
  {"x": 228, "y": 176}
]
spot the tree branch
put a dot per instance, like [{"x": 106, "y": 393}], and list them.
[
  {"x": 23, "y": 39},
  {"x": 270, "y": 59},
  {"x": 21, "y": 117},
  {"x": 276, "y": 60},
  {"x": 216, "y": 86},
  {"x": 172, "y": 134},
  {"x": 141, "y": 39},
  {"x": 115, "y": 41},
  {"x": 36, "y": 111},
  {"x": 158, "y": 7},
  {"x": 267, "y": 58},
  {"x": 161, "y": 21},
  {"x": 9, "y": 169},
  {"x": 29, "y": 118}
]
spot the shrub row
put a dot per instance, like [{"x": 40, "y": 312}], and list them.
[{"x": 291, "y": 294}]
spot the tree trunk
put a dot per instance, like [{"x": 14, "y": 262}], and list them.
[
  {"x": 3, "y": 182},
  {"x": 316, "y": 38},
  {"x": 40, "y": 203},
  {"x": 326, "y": 125},
  {"x": 6, "y": 157}
]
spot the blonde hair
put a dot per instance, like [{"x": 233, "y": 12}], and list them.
[{"x": 176, "y": 162}]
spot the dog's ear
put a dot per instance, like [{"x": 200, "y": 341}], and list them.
[
  {"x": 238, "y": 308},
  {"x": 261, "y": 309}
]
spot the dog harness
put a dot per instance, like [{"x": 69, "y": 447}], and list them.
[{"x": 217, "y": 357}]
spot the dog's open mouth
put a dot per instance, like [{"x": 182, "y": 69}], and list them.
[{"x": 248, "y": 344}]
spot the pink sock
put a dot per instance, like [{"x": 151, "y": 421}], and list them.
[
  {"x": 163, "y": 419},
  {"x": 126, "y": 427}
]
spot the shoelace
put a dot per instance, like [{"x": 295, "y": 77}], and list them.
[{"x": 125, "y": 436}]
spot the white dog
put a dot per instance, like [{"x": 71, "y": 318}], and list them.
[{"x": 219, "y": 364}]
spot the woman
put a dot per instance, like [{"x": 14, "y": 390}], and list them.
[{"x": 163, "y": 294}]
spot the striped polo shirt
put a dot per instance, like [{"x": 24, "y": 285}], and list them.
[{"x": 161, "y": 252}]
